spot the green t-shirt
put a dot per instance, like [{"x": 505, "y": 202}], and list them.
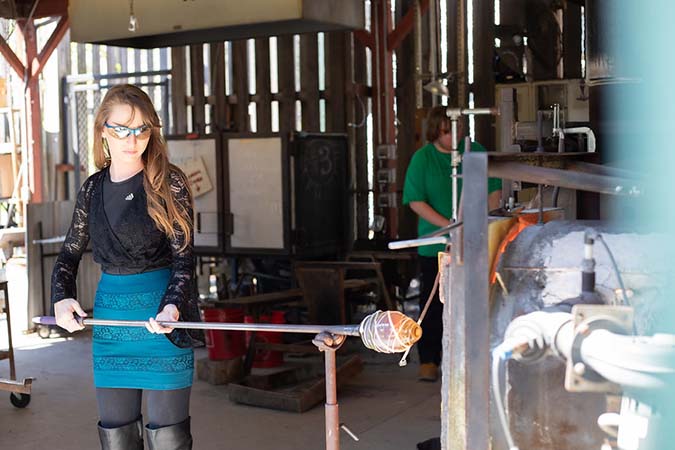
[{"x": 429, "y": 180}]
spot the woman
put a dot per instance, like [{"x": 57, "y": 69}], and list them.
[{"x": 137, "y": 210}]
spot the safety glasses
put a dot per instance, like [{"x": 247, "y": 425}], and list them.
[{"x": 122, "y": 132}]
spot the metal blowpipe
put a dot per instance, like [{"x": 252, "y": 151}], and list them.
[{"x": 382, "y": 331}]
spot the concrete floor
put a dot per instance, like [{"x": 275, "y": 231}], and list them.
[{"x": 384, "y": 405}]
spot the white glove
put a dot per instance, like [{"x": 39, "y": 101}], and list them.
[
  {"x": 64, "y": 309},
  {"x": 169, "y": 313}
]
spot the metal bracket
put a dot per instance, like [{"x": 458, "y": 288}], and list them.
[
  {"x": 386, "y": 176},
  {"x": 387, "y": 200},
  {"x": 328, "y": 341},
  {"x": 386, "y": 151},
  {"x": 578, "y": 376}
]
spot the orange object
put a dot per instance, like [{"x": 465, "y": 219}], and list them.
[{"x": 523, "y": 221}]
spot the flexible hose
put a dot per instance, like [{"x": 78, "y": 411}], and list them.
[
  {"x": 404, "y": 359},
  {"x": 616, "y": 269},
  {"x": 500, "y": 355}
]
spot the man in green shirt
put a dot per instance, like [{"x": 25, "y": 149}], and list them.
[{"x": 428, "y": 191}]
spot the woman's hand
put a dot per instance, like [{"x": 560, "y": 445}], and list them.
[
  {"x": 170, "y": 313},
  {"x": 64, "y": 309}
]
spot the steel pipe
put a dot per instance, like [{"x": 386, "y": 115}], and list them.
[
  {"x": 456, "y": 112},
  {"x": 345, "y": 330},
  {"x": 398, "y": 245},
  {"x": 564, "y": 178},
  {"x": 598, "y": 169},
  {"x": 590, "y": 136},
  {"x": 382, "y": 331},
  {"x": 455, "y": 161}
]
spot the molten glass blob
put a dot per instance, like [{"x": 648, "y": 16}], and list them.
[{"x": 389, "y": 332}]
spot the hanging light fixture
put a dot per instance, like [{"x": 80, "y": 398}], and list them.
[
  {"x": 437, "y": 87},
  {"x": 133, "y": 22}
]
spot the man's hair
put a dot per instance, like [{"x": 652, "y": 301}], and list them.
[{"x": 437, "y": 121}]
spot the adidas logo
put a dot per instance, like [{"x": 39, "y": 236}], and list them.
[{"x": 129, "y": 197}]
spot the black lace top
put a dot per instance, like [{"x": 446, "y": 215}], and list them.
[{"x": 135, "y": 245}]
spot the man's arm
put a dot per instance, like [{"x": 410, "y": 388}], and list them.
[{"x": 429, "y": 214}]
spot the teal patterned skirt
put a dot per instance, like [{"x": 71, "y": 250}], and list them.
[{"x": 129, "y": 357}]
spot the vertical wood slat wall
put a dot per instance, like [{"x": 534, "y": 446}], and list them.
[
  {"x": 237, "y": 102},
  {"x": 345, "y": 96}
]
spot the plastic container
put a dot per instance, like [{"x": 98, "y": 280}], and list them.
[
  {"x": 222, "y": 344},
  {"x": 265, "y": 358}
]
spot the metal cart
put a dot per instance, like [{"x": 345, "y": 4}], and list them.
[{"x": 19, "y": 390}]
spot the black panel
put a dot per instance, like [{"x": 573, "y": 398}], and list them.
[
  {"x": 321, "y": 188},
  {"x": 228, "y": 33}
]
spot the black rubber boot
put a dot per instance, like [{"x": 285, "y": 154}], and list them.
[
  {"x": 126, "y": 437},
  {"x": 172, "y": 437}
]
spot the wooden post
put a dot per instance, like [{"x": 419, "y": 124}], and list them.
[
  {"x": 286, "y": 84},
  {"x": 405, "y": 99},
  {"x": 33, "y": 113},
  {"x": 178, "y": 90},
  {"x": 219, "y": 112},
  {"x": 572, "y": 41},
  {"x": 309, "y": 82},
  {"x": 484, "y": 80},
  {"x": 30, "y": 74},
  {"x": 240, "y": 82},
  {"x": 263, "y": 94},
  {"x": 197, "y": 83},
  {"x": 360, "y": 95},
  {"x": 336, "y": 71}
]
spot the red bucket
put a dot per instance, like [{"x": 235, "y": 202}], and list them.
[
  {"x": 224, "y": 344},
  {"x": 265, "y": 358}
]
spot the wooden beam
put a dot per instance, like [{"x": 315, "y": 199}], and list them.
[
  {"x": 197, "y": 84},
  {"x": 240, "y": 84},
  {"x": 219, "y": 112},
  {"x": 484, "y": 79},
  {"x": 572, "y": 41},
  {"x": 384, "y": 117},
  {"x": 65, "y": 185},
  {"x": 360, "y": 143},
  {"x": 286, "y": 75},
  {"x": 262, "y": 90},
  {"x": 406, "y": 139},
  {"x": 365, "y": 38},
  {"x": 33, "y": 114},
  {"x": 336, "y": 71},
  {"x": 309, "y": 79},
  {"x": 13, "y": 60},
  {"x": 405, "y": 26},
  {"x": 178, "y": 90},
  {"x": 50, "y": 46}
]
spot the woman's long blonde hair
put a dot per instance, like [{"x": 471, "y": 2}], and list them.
[{"x": 162, "y": 208}]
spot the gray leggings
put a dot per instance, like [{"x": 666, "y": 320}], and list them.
[{"x": 118, "y": 407}]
